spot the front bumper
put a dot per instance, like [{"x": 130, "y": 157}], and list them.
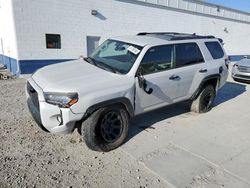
[
  {"x": 49, "y": 117},
  {"x": 35, "y": 114},
  {"x": 241, "y": 76}
]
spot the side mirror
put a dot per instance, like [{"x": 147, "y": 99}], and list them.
[{"x": 143, "y": 84}]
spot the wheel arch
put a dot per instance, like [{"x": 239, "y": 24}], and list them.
[
  {"x": 125, "y": 102},
  {"x": 213, "y": 80}
]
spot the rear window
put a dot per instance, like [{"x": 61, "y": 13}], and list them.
[{"x": 215, "y": 49}]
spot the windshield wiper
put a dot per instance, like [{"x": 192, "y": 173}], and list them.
[
  {"x": 111, "y": 69},
  {"x": 90, "y": 60},
  {"x": 101, "y": 65}
]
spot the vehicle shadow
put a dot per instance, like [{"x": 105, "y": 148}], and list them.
[
  {"x": 229, "y": 91},
  {"x": 145, "y": 121}
]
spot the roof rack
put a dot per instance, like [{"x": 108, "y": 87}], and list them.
[
  {"x": 176, "y": 36},
  {"x": 160, "y": 33}
]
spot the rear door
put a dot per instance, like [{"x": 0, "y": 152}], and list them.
[{"x": 190, "y": 68}]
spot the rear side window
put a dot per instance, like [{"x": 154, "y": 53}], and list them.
[
  {"x": 215, "y": 49},
  {"x": 187, "y": 54}
]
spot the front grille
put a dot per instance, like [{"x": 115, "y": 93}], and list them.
[
  {"x": 242, "y": 76},
  {"x": 33, "y": 95},
  {"x": 244, "y": 69}
]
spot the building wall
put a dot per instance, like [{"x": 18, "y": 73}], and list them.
[
  {"x": 74, "y": 22},
  {"x": 8, "y": 42},
  {"x": 203, "y": 7}
]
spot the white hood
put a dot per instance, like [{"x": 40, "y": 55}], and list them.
[{"x": 73, "y": 76}]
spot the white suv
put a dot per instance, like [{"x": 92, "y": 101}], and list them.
[{"x": 124, "y": 77}]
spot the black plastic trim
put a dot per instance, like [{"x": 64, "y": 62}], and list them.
[
  {"x": 172, "y": 36},
  {"x": 196, "y": 93},
  {"x": 35, "y": 114},
  {"x": 121, "y": 100},
  {"x": 241, "y": 80}
]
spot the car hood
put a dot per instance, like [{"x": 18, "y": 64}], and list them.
[
  {"x": 244, "y": 62},
  {"x": 75, "y": 76}
]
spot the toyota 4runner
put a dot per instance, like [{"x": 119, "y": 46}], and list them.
[{"x": 124, "y": 77}]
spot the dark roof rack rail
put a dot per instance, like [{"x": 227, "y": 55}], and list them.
[
  {"x": 191, "y": 37},
  {"x": 160, "y": 33},
  {"x": 175, "y": 36}
]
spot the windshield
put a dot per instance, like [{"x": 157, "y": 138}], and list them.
[{"x": 116, "y": 56}]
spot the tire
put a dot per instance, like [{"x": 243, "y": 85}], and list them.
[
  {"x": 106, "y": 129},
  {"x": 204, "y": 102}
]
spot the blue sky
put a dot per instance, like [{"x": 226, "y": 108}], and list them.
[{"x": 243, "y": 5}]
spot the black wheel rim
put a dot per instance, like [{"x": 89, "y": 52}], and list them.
[
  {"x": 111, "y": 126},
  {"x": 207, "y": 101}
]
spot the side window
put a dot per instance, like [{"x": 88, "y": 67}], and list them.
[
  {"x": 158, "y": 59},
  {"x": 215, "y": 50},
  {"x": 187, "y": 54}
]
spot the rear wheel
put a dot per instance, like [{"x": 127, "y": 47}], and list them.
[
  {"x": 106, "y": 129},
  {"x": 204, "y": 102}
]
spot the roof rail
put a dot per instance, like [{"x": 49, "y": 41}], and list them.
[
  {"x": 161, "y": 33},
  {"x": 175, "y": 36},
  {"x": 191, "y": 37}
]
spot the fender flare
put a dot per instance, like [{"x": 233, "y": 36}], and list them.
[
  {"x": 197, "y": 92},
  {"x": 121, "y": 100}
]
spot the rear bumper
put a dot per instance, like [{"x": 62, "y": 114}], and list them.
[{"x": 50, "y": 118}]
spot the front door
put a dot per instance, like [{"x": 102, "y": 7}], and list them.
[{"x": 157, "y": 68}]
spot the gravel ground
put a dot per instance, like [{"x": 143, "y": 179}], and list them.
[{"x": 30, "y": 157}]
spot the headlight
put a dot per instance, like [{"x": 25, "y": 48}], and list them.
[
  {"x": 63, "y": 100},
  {"x": 236, "y": 66}
]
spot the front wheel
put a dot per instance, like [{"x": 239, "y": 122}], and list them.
[
  {"x": 204, "y": 102},
  {"x": 106, "y": 129}
]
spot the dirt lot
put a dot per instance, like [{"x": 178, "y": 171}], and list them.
[
  {"x": 32, "y": 158},
  {"x": 169, "y": 147}
]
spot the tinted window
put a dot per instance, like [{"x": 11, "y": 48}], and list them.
[
  {"x": 215, "y": 49},
  {"x": 188, "y": 54},
  {"x": 53, "y": 41},
  {"x": 157, "y": 59}
]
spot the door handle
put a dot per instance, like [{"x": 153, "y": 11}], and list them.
[
  {"x": 174, "y": 77},
  {"x": 203, "y": 70}
]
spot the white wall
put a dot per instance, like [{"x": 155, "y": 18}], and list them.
[
  {"x": 7, "y": 30},
  {"x": 73, "y": 20},
  {"x": 201, "y": 6}
]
